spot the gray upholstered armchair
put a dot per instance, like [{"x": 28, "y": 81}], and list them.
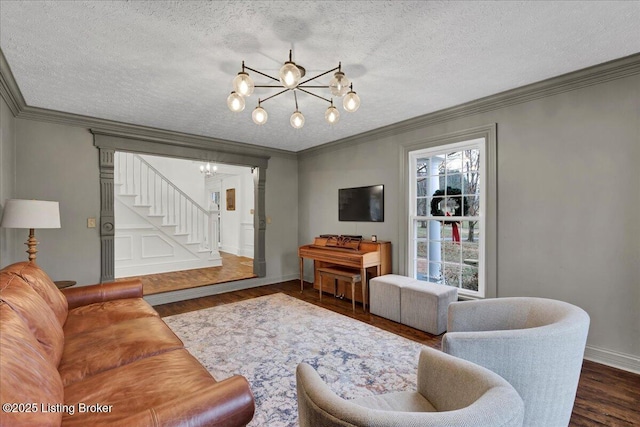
[
  {"x": 536, "y": 344},
  {"x": 450, "y": 392}
]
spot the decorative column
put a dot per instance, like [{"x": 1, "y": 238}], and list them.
[
  {"x": 259, "y": 222},
  {"x": 107, "y": 217}
]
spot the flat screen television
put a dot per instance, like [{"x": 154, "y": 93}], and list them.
[{"x": 364, "y": 204}]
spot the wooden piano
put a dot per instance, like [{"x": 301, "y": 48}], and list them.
[{"x": 370, "y": 258}]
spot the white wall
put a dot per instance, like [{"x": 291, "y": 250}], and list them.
[
  {"x": 568, "y": 202},
  {"x": 185, "y": 174},
  {"x": 8, "y": 237},
  {"x": 230, "y": 220}
]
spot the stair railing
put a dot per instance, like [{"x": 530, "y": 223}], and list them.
[{"x": 165, "y": 199}]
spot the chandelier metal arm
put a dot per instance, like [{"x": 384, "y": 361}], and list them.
[
  {"x": 311, "y": 93},
  {"x": 274, "y": 95},
  {"x": 261, "y": 73},
  {"x": 319, "y": 75},
  {"x": 290, "y": 79}
]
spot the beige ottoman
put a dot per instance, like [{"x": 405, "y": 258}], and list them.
[
  {"x": 425, "y": 305},
  {"x": 384, "y": 295}
]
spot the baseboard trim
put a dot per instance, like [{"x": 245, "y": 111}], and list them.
[
  {"x": 615, "y": 359},
  {"x": 204, "y": 291}
]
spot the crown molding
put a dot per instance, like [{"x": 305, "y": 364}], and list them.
[
  {"x": 597, "y": 74},
  {"x": 9, "y": 89},
  {"x": 11, "y": 93}
]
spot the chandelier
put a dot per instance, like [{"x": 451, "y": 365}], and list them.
[
  {"x": 290, "y": 79},
  {"x": 208, "y": 170}
]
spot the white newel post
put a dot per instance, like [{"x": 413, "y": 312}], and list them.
[{"x": 213, "y": 230}]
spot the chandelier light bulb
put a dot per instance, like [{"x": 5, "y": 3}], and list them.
[
  {"x": 290, "y": 75},
  {"x": 332, "y": 115},
  {"x": 339, "y": 84},
  {"x": 351, "y": 102},
  {"x": 243, "y": 84},
  {"x": 259, "y": 115},
  {"x": 297, "y": 120},
  {"x": 208, "y": 170},
  {"x": 235, "y": 102}
]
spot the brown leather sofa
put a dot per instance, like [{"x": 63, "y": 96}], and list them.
[{"x": 100, "y": 355}]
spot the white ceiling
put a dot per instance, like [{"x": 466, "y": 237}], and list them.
[{"x": 169, "y": 65}]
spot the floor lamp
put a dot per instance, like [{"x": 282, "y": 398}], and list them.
[{"x": 31, "y": 214}]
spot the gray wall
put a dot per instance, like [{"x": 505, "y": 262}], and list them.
[
  {"x": 59, "y": 162},
  {"x": 7, "y": 181},
  {"x": 568, "y": 202}
]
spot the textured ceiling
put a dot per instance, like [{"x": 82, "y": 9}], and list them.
[{"x": 170, "y": 65}]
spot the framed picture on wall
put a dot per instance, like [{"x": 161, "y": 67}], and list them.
[{"x": 231, "y": 199}]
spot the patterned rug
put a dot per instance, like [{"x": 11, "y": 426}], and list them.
[{"x": 265, "y": 338}]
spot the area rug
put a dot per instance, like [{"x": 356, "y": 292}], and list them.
[{"x": 265, "y": 338}]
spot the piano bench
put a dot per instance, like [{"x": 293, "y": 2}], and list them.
[{"x": 338, "y": 273}]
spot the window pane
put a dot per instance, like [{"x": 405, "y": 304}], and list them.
[
  {"x": 451, "y": 252},
  {"x": 422, "y": 207},
  {"x": 438, "y": 166},
  {"x": 469, "y": 278},
  {"x": 422, "y": 269},
  {"x": 434, "y": 274},
  {"x": 471, "y": 160},
  {"x": 454, "y": 162},
  {"x": 452, "y": 275},
  {"x": 471, "y": 183},
  {"x": 422, "y": 167},
  {"x": 421, "y": 229},
  {"x": 454, "y": 181},
  {"x": 471, "y": 235},
  {"x": 434, "y": 230},
  {"x": 422, "y": 186},
  {"x": 421, "y": 249}
]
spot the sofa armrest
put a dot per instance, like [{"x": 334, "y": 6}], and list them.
[
  {"x": 228, "y": 403},
  {"x": 84, "y": 295}
]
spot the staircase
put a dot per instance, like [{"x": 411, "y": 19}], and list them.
[{"x": 159, "y": 228}]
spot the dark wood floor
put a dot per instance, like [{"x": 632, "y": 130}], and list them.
[{"x": 606, "y": 396}]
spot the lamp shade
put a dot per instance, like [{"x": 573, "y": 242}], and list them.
[{"x": 30, "y": 214}]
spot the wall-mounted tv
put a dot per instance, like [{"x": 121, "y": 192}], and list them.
[{"x": 364, "y": 204}]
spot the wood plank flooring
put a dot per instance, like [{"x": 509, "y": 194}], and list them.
[
  {"x": 233, "y": 268},
  {"x": 606, "y": 396}
]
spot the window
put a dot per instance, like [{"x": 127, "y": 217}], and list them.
[{"x": 447, "y": 215}]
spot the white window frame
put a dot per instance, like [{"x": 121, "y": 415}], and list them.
[
  {"x": 479, "y": 144},
  {"x": 427, "y": 138}
]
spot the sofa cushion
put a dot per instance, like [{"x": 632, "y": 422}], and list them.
[
  {"x": 105, "y": 348},
  {"x": 137, "y": 387},
  {"x": 35, "y": 313},
  {"x": 27, "y": 375},
  {"x": 102, "y": 314},
  {"x": 43, "y": 285}
]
